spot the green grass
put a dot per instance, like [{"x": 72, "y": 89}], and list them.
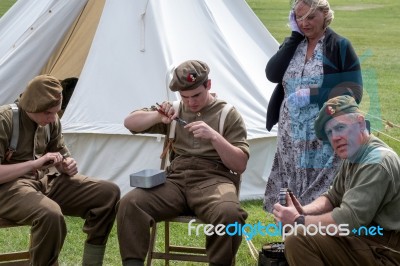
[
  {"x": 371, "y": 26},
  {"x": 5, "y": 5},
  {"x": 14, "y": 239}
]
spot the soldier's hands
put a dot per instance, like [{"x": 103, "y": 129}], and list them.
[
  {"x": 68, "y": 166},
  {"x": 48, "y": 160},
  {"x": 201, "y": 130}
]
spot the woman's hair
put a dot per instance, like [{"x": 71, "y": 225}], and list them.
[{"x": 321, "y": 5}]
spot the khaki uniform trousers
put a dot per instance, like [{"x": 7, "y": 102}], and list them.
[
  {"x": 43, "y": 203},
  {"x": 205, "y": 187},
  {"x": 343, "y": 250}
]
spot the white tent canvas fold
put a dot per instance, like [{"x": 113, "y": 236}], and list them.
[{"x": 123, "y": 51}]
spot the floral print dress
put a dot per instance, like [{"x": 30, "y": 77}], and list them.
[{"x": 302, "y": 163}]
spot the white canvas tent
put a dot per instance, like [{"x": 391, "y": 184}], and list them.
[{"x": 122, "y": 52}]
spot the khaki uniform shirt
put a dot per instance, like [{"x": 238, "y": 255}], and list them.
[
  {"x": 366, "y": 191},
  {"x": 186, "y": 144},
  {"x": 33, "y": 139}
]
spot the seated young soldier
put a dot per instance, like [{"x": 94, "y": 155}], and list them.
[
  {"x": 204, "y": 173},
  {"x": 358, "y": 217},
  {"x": 39, "y": 180}
]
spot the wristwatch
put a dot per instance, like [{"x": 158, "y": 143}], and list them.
[{"x": 300, "y": 220}]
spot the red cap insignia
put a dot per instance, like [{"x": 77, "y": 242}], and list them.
[
  {"x": 191, "y": 77},
  {"x": 330, "y": 110}
]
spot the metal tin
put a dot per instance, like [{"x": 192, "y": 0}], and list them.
[{"x": 147, "y": 178}]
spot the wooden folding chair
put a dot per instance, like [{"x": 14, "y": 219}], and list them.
[
  {"x": 175, "y": 252},
  {"x": 13, "y": 258}
]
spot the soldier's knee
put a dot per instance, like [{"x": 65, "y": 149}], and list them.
[
  {"x": 110, "y": 191},
  {"x": 230, "y": 212},
  {"x": 131, "y": 201},
  {"x": 290, "y": 242},
  {"x": 294, "y": 243},
  {"x": 52, "y": 216}
]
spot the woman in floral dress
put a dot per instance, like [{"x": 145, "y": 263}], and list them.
[{"x": 313, "y": 65}]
